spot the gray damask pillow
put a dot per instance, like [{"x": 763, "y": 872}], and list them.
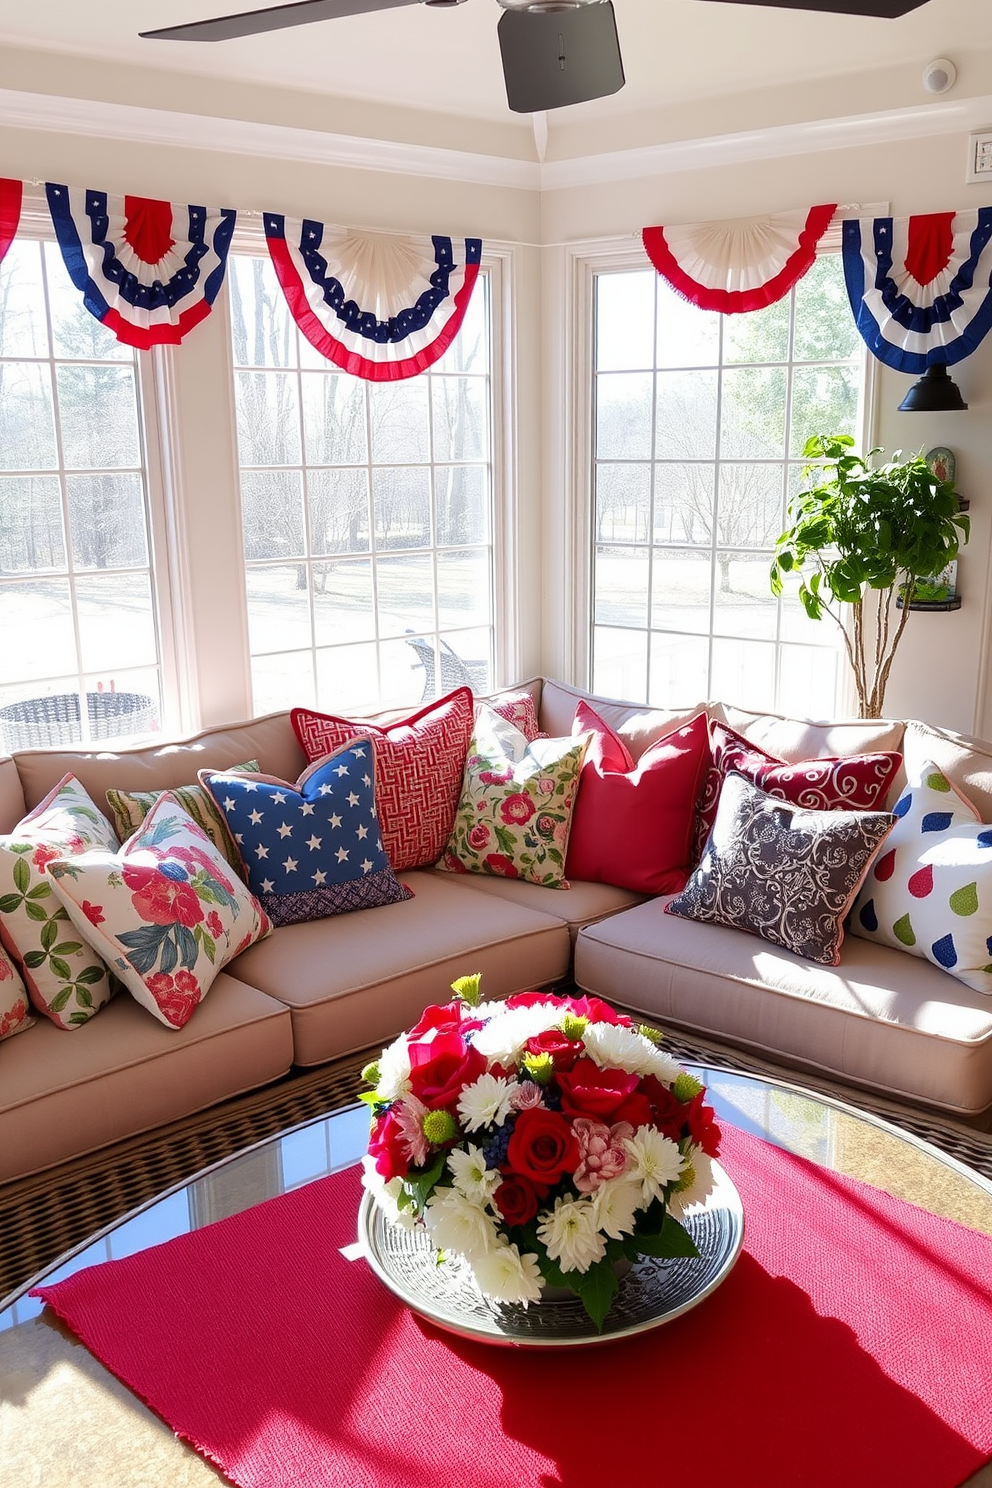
[{"x": 782, "y": 872}]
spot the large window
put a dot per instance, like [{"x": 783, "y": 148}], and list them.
[
  {"x": 81, "y": 656},
  {"x": 699, "y": 425},
  {"x": 366, "y": 510}
]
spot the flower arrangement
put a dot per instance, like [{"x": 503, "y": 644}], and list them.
[{"x": 543, "y": 1139}]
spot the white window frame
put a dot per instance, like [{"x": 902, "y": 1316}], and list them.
[{"x": 569, "y": 426}]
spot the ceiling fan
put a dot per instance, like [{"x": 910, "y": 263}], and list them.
[{"x": 554, "y": 52}]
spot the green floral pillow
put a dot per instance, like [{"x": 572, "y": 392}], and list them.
[
  {"x": 66, "y": 979},
  {"x": 515, "y": 809},
  {"x": 131, "y": 807}
]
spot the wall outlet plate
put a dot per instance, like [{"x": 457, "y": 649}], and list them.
[{"x": 979, "y": 157}]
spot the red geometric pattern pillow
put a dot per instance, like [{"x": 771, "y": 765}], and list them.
[
  {"x": 418, "y": 770},
  {"x": 519, "y": 709},
  {"x": 859, "y": 782}
]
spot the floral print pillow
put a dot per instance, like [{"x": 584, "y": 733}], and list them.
[
  {"x": 14, "y": 1016},
  {"x": 66, "y": 979},
  {"x": 165, "y": 910},
  {"x": 515, "y": 809}
]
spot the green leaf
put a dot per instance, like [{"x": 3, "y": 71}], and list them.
[
  {"x": 49, "y": 934},
  {"x": 10, "y": 903},
  {"x": 673, "y": 1240},
  {"x": 42, "y": 890},
  {"x": 22, "y": 875},
  {"x": 68, "y": 948},
  {"x": 59, "y": 1001},
  {"x": 61, "y": 968},
  {"x": 84, "y": 998},
  {"x": 79, "y": 1018},
  {"x": 35, "y": 911},
  {"x": 596, "y": 1289},
  {"x": 91, "y": 974},
  {"x": 34, "y": 959},
  {"x": 422, "y": 1183}
]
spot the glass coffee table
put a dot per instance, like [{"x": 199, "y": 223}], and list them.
[{"x": 65, "y": 1422}]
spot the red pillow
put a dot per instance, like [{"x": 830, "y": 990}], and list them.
[
  {"x": 632, "y": 823},
  {"x": 418, "y": 770},
  {"x": 519, "y": 709},
  {"x": 859, "y": 782}
]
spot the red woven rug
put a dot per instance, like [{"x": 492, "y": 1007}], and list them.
[{"x": 852, "y": 1344}]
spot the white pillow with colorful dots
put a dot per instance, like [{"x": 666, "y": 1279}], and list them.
[{"x": 930, "y": 891}]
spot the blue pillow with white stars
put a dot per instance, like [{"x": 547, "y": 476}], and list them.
[{"x": 311, "y": 849}]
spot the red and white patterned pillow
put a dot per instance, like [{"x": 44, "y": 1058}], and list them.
[
  {"x": 857, "y": 782},
  {"x": 14, "y": 1015},
  {"x": 418, "y": 770},
  {"x": 519, "y": 709}
]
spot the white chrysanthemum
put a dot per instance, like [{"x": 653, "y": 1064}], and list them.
[
  {"x": 699, "y": 1189},
  {"x": 486, "y": 1102},
  {"x": 386, "y": 1195},
  {"x": 507, "y": 1276},
  {"x": 615, "y": 1204},
  {"x": 394, "y": 1071},
  {"x": 457, "y": 1223},
  {"x": 504, "y": 1036},
  {"x": 657, "y": 1162},
  {"x": 472, "y": 1177},
  {"x": 663, "y": 1066},
  {"x": 615, "y": 1046},
  {"x": 571, "y": 1235}
]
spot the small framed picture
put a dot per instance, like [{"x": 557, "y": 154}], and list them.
[{"x": 941, "y": 463}]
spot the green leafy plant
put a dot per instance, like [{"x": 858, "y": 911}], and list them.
[{"x": 862, "y": 533}]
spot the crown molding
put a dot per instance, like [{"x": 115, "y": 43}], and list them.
[
  {"x": 99, "y": 119},
  {"x": 802, "y": 138}
]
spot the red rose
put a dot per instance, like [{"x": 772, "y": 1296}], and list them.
[
  {"x": 535, "y": 999},
  {"x": 636, "y": 1109},
  {"x": 542, "y": 1146},
  {"x": 215, "y": 924},
  {"x": 517, "y": 809},
  {"x": 597, "y": 1011},
  {"x": 446, "y": 1019},
  {"x": 442, "y": 1067},
  {"x": 546, "y": 826},
  {"x": 44, "y": 854},
  {"x": 453, "y": 864},
  {"x": 564, "y": 1052},
  {"x": 497, "y": 863},
  {"x": 387, "y": 1147},
  {"x": 587, "y": 1090},
  {"x": 702, "y": 1125},
  {"x": 160, "y": 900},
  {"x": 667, "y": 1113},
  {"x": 516, "y": 1199},
  {"x": 479, "y": 835}
]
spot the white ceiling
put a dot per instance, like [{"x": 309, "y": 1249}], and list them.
[{"x": 675, "y": 51}]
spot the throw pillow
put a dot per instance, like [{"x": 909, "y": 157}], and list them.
[
  {"x": 164, "y": 910},
  {"x": 858, "y": 782},
  {"x": 14, "y": 1016},
  {"x": 930, "y": 892},
  {"x": 781, "y": 871},
  {"x": 632, "y": 823},
  {"x": 515, "y": 808},
  {"x": 65, "y": 978},
  {"x": 519, "y": 709},
  {"x": 418, "y": 770},
  {"x": 130, "y": 808},
  {"x": 314, "y": 848}
]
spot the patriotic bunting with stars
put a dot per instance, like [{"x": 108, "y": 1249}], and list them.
[
  {"x": 739, "y": 265},
  {"x": 310, "y": 849},
  {"x": 148, "y": 270},
  {"x": 10, "y": 212},
  {"x": 380, "y": 306},
  {"x": 920, "y": 287}
]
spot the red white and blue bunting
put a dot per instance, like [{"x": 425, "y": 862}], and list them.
[
  {"x": 920, "y": 287},
  {"x": 148, "y": 270},
  {"x": 382, "y": 307},
  {"x": 11, "y": 193},
  {"x": 739, "y": 265}
]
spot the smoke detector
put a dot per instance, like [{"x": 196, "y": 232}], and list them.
[{"x": 939, "y": 75}]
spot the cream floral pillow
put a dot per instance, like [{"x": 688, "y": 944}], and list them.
[
  {"x": 515, "y": 809},
  {"x": 66, "y": 979}
]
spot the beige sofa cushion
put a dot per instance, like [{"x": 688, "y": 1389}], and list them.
[
  {"x": 269, "y": 740},
  {"x": 582, "y": 904},
  {"x": 359, "y": 979},
  {"x": 638, "y": 725},
  {"x": 798, "y": 738},
  {"x": 881, "y": 1018},
  {"x": 966, "y": 762},
  {"x": 12, "y": 803},
  {"x": 63, "y": 1094}
]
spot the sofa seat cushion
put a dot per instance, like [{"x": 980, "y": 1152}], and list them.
[
  {"x": 64, "y": 1094},
  {"x": 880, "y": 1018},
  {"x": 582, "y": 903},
  {"x": 361, "y": 978}
]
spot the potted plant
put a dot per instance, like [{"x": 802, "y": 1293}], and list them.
[{"x": 861, "y": 528}]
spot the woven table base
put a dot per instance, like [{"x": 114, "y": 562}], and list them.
[{"x": 49, "y": 1213}]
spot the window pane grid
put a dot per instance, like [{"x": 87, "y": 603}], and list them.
[
  {"x": 75, "y": 541},
  {"x": 394, "y": 548},
  {"x": 712, "y": 435}
]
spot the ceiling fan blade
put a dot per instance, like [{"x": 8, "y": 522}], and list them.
[
  {"x": 888, "y": 10},
  {"x": 253, "y": 22},
  {"x": 556, "y": 57}
]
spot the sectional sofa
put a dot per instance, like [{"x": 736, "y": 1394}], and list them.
[{"x": 312, "y": 992}]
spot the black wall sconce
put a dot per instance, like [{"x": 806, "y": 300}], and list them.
[{"x": 934, "y": 393}]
